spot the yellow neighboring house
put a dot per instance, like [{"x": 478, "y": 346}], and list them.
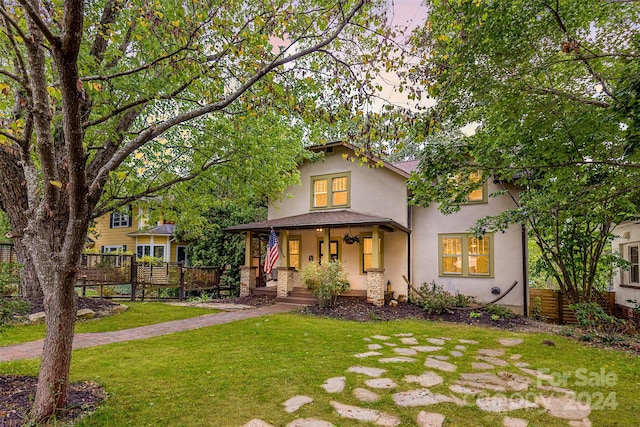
[{"x": 127, "y": 230}]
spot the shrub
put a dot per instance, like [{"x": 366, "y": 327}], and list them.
[
  {"x": 326, "y": 281},
  {"x": 536, "y": 309},
  {"x": 475, "y": 315},
  {"x": 599, "y": 324},
  {"x": 11, "y": 307},
  {"x": 434, "y": 299},
  {"x": 9, "y": 278},
  {"x": 500, "y": 311}
]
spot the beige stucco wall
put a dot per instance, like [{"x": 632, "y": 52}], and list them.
[
  {"x": 374, "y": 191},
  {"x": 627, "y": 233},
  {"x": 428, "y": 223}
]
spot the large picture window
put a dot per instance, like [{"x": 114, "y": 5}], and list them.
[
  {"x": 157, "y": 251},
  {"x": 330, "y": 191},
  {"x": 466, "y": 256}
]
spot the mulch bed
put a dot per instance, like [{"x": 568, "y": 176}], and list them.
[{"x": 95, "y": 304}]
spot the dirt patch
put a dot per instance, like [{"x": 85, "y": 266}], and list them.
[
  {"x": 361, "y": 311},
  {"x": 17, "y": 393}
]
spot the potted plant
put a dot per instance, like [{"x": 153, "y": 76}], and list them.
[{"x": 350, "y": 240}]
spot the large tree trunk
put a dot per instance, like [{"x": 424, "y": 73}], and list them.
[{"x": 30, "y": 288}]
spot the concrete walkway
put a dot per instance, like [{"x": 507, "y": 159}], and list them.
[{"x": 33, "y": 349}]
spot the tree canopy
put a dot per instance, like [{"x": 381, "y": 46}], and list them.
[{"x": 552, "y": 86}]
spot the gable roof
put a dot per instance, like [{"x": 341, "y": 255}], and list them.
[
  {"x": 408, "y": 166},
  {"x": 333, "y": 218},
  {"x": 160, "y": 230},
  {"x": 373, "y": 159}
]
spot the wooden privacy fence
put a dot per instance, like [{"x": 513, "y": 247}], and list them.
[
  {"x": 554, "y": 306},
  {"x": 139, "y": 279},
  {"x": 7, "y": 253}
]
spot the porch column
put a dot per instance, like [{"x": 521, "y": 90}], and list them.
[
  {"x": 327, "y": 245},
  {"x": 375, "y": 286},
  {"x": 247, "y": 271},
  {"x": 247, "y": 280},
  {"x": 285, "y": 250},
  {"x": 285, "y": 281},
  {"x": 375, "y": 247}
]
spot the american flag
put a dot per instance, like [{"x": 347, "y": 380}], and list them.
[{"x": 272, "y": 252}]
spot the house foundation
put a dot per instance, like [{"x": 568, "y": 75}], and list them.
[
  {"x": 247, "y": 280},
  {"x": 375, "y": 286},
  {"x": 285, "y": 281}
]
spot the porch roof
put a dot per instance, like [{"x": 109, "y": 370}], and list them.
[
  {"x": 160, "y": 230},
  {"x": 334, "y": 218}
]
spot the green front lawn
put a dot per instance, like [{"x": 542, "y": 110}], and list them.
[
  {"x": 229, "y": 374},
  {"x": 139, "y": 314}
]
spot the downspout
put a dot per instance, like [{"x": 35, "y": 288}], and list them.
[
  {"x": 525, "y": 274},
  {"x": 409, "y": 263}
]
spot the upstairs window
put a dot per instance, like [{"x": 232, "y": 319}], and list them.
[
  {"x": 120, "y": 218},
  {"x": 479, "y": 194},
  {"x": 330, "y": 191}
]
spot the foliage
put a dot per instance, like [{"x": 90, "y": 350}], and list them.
[
  {"x": 599, "y": 325},
  {"x": 636, "y": 306},
  {"x": 148, "y": 260},
  {"x": 499, "y": 311},
  {"x": 11, "y": 307},
  {"x": 214, "y": 247},
  {"x": 547, "y": 85},
  {"x": 9, "y": 278},
  {"x": 327, "y": 281},
  {"x": 536, "y": 309},
  {"x": 4, "y": 227},
  {"x": 434, "y": 299},
  {"x": 475, "y": 315}
]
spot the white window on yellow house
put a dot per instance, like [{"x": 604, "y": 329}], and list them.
[
  {"x": 366, "y": 251},
  {"x": 330, "y": 191},
  {"x": 294, "y": 252},
  {"x": 466, "y": 256},
  {"x": 120, "y": 218}
]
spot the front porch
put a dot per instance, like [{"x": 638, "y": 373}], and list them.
[{"x": 374, "y": 254}]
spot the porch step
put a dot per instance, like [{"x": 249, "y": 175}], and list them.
[
  {"x": 264, "y": 291},
  {"x": 298, "y": 300}
]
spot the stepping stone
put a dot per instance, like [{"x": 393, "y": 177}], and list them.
[
  {"x": 374, "y": 346},
  {"x": 409, "y": 341},
  {"x": 404, "y": 335},
  {"x": 364, "y": 395},
  {"x": 514, "y": 422},
  {"x": 522, "y": 364},
  {"x": 456, "y": 353},
  {"x": 372, "y": 372},
  {"x": 461, "y": 347},
  {"x": 428, "y": 379},
  {"x": 456, "y": 388},
  {"x": 510, "y": 342},
  {"x": 491, "y": 352},
  {"x": 481, "y": 386},
  {"x": 381, "y": 337},
  {"x": 537, "y": 374},
  {"x": 293, "y": 404},
  {"x": 515, "y": 357},
  {"x": 309, "y": 422},
  {"x": 405, "y": 351},
  {"x": 439, "y": 364},
  {"x": 390, "y": 344},
  {"x": 367, "y": 354},
  {"x": 384, "y": 383},
  {"x": 398, "y": 359},
  {"x": 421, "y": 397},
  {"x": 257, "y": 423},
  {"x": 426, "y": 348},
  {"x": 493, "y": 360},
  {"x": 556, "y": 389},
  {"x": 564, "y": 407},
  {"x": 441, "y": 357},
  {"x": 482, "y": 366},
  {"x": 429, "y": 419},
  {"x": 334, "y": 385},
  {"x": 436, "y": 341},
  {"x": 468, "y": 342},
  {"x": 367, "y": 339},
  {"x": 581, "y": 423},
  {"x": 363, "y": 414},
  {"x": 503, "y": 404}
]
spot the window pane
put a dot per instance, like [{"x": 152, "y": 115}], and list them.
[
  {"x": 294, "y": 261},
  {"x": 478, "y": 246},
  {"x": 294, "y": 253},
  {"x": 339, "y": 190},
  {"x": 320, "y": 192},
  {"x": 366, "y": 261},
  {"x": 158, "y": 251},
  {"x": 452, "y": 246},
  {"x": 478, "y": 194},
  {"x": 478, "y": 264},
  {"x": 634, "y": 271},
  {"x": 452, "y": 264}
]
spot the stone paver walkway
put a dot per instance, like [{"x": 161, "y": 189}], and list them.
[{"x": 34, "y": 349}]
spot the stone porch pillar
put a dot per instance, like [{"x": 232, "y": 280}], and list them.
[
  {"x": 247, "y": 280},
  {"x": 285, "y": 281},
  {"x": 375, "y": 286}
]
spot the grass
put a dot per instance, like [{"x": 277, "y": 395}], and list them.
[
  {"x": 139, "y": 314},
  {"x": 229, "y": 374}
]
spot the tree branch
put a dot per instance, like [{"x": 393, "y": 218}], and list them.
[
  {"x": 585, "y": 101},
  {"x": 42, "y": 26}
]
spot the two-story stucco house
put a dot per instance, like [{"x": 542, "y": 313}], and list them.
[
  {"x": 338, "y": 196},
  {"x": 127, "y": 230},
  {"x": 626, "y": 283}
]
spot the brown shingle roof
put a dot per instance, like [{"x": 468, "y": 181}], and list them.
[
  {"x": 408, "y": 166},
  {"x": 334, "y": 218}
]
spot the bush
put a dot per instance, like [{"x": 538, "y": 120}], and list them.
[
  {"x": 11, "y": 307},
  {"x": 9, "y": 278},
  {"x": 599, "y": 324},
  {"x": 326, "y": 281},
  {"x": 500, "y": 311},
  {"x": 436, "y": 300}
]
